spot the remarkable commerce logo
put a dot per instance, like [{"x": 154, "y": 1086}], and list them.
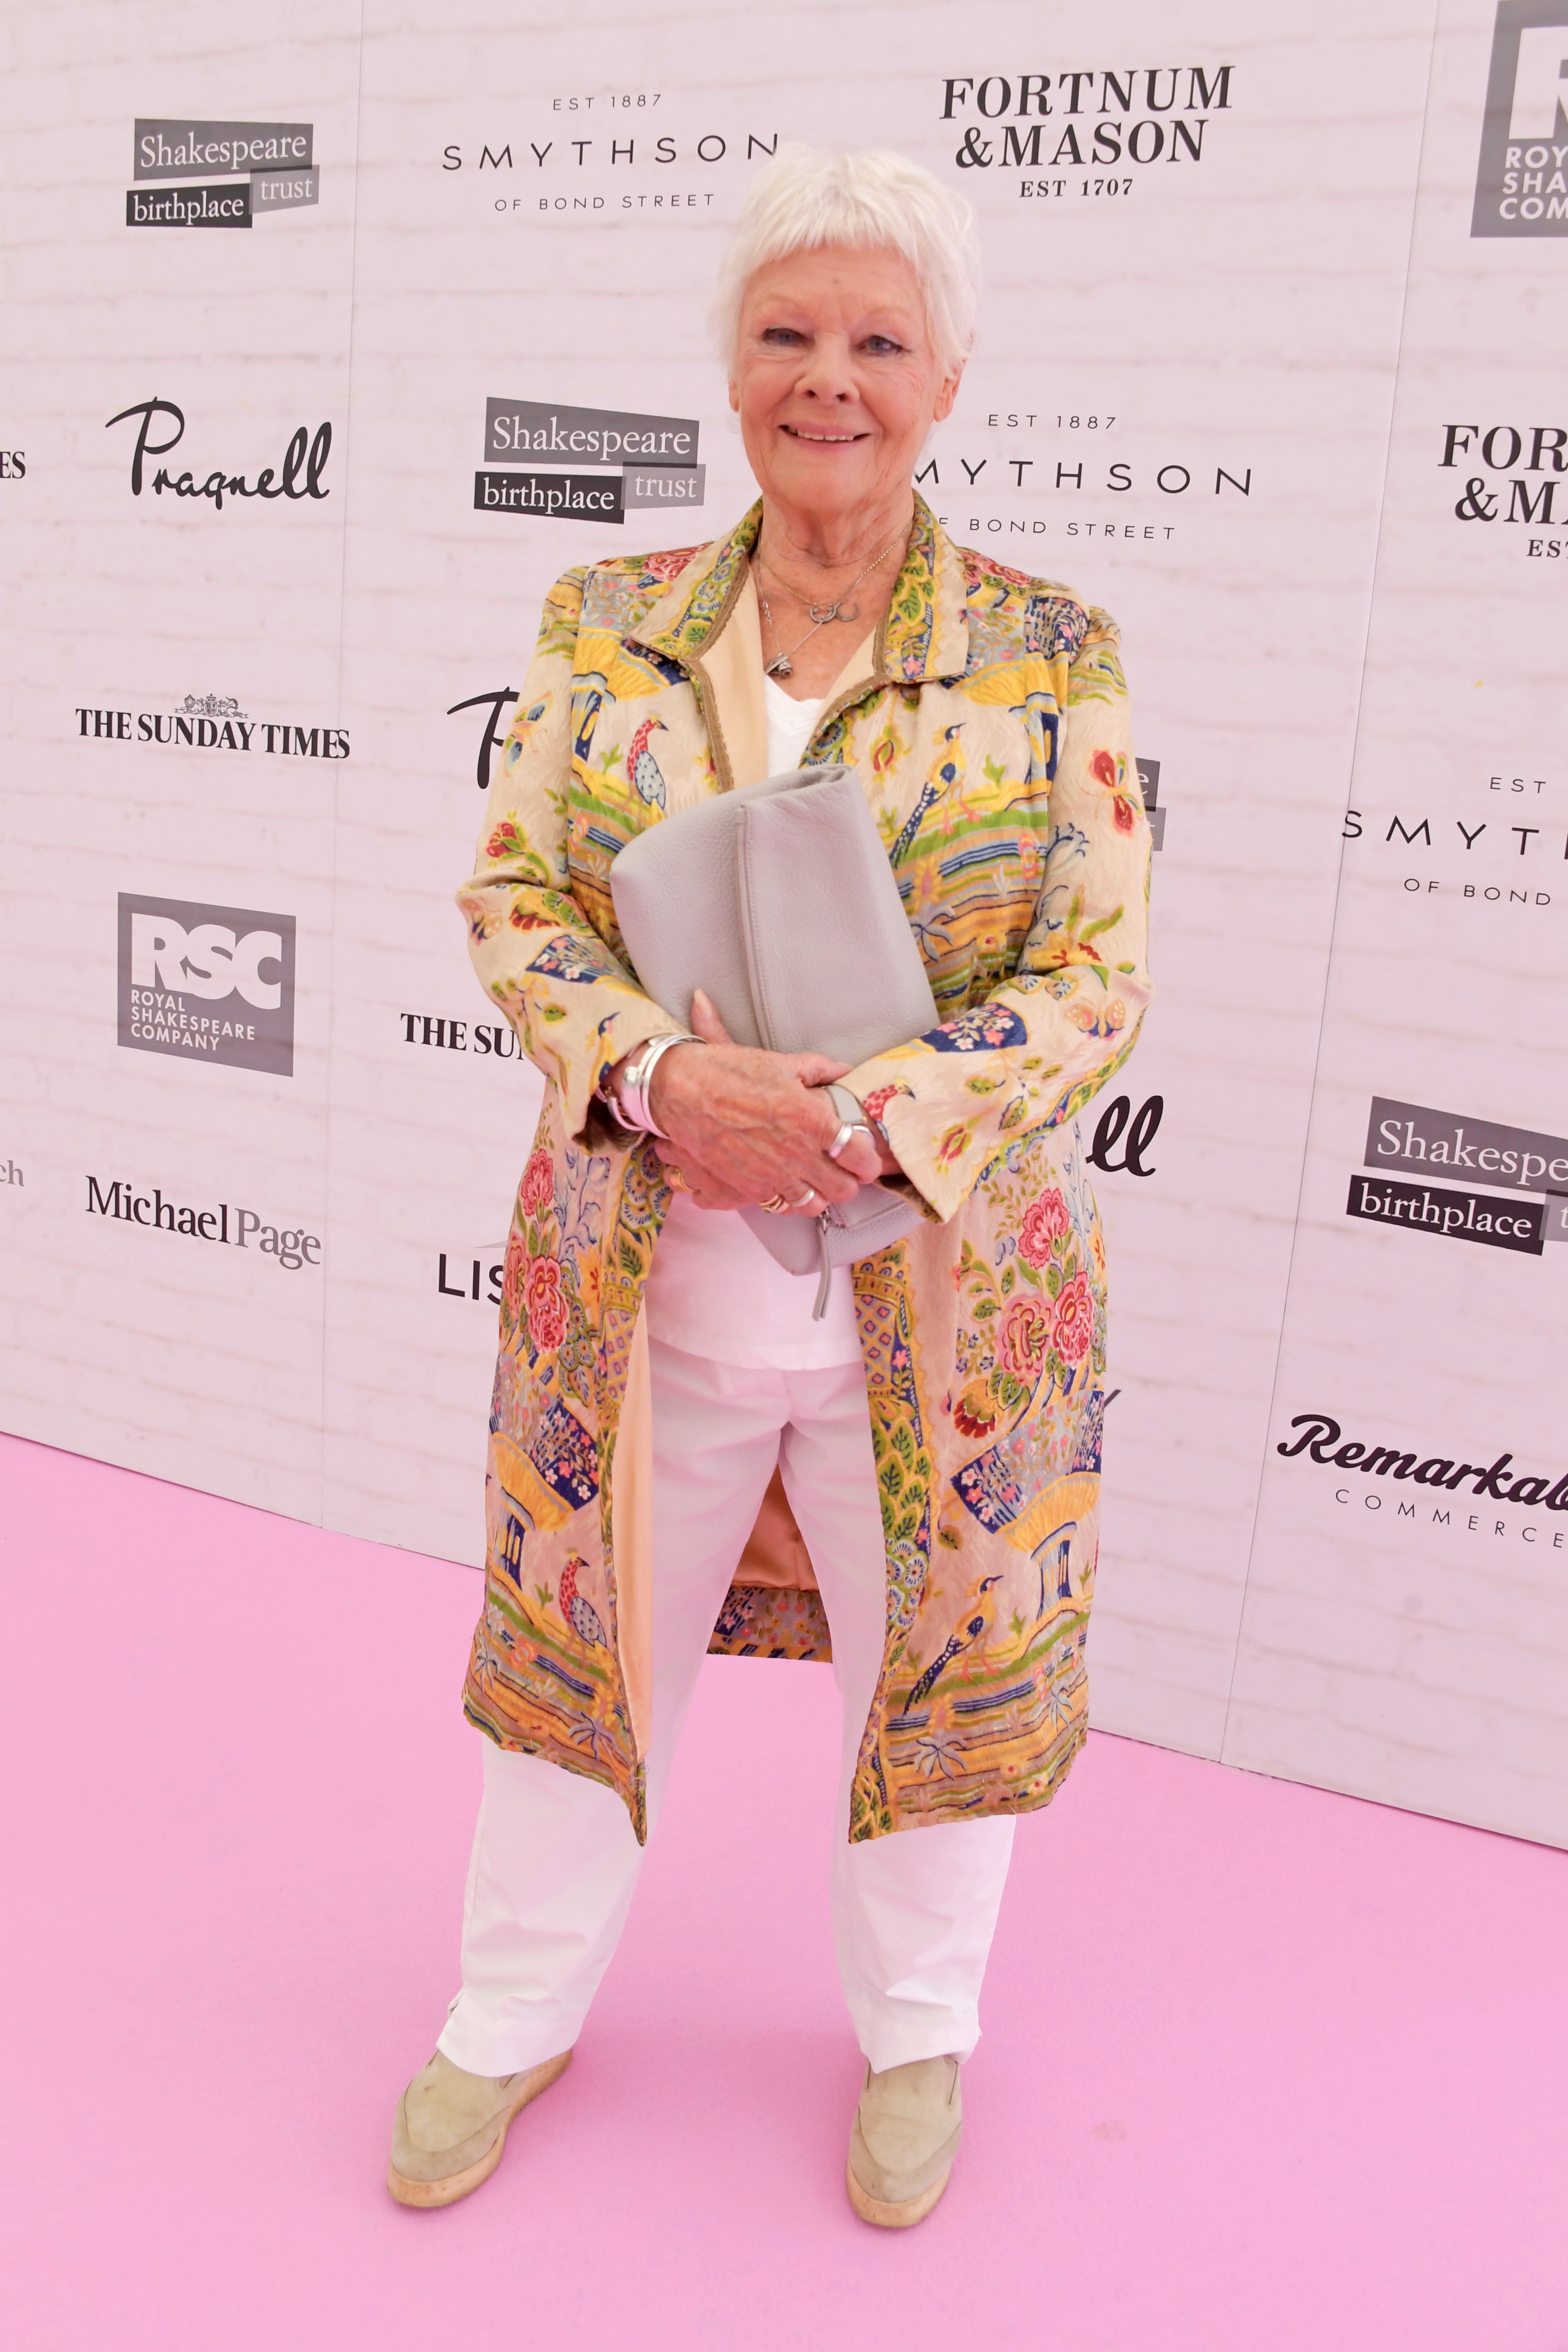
[
  {"x": 290, "y": 1246},
  {"x": 1520, "y": 187},
  {"x": 299, "y": 476},
  {"x": 179, "y": 962},
  {"x": 272, "y": 161},
  {"x": 1500, "y": 1481},
  {"x": 1412, "y": 1137},
  {"x": 645, "y": 461},
  {"x": 1110, "y": 126}
]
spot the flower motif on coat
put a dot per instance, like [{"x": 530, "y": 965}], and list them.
[
  {"x": 1045, "y": 1222},
  {"x": 537, "y": 1189},
  {"x": 1023, "y": 1337},
  {"x": 546, "y": 1302},
  {"x": 1112, "y": 774},
  {"x": 1073, "y": 1326}
]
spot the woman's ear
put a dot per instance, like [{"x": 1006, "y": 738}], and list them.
[
  {"x": 948, "y": 395},
  {"x": 734, "y": 395}
]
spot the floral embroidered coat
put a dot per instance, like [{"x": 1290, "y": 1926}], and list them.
[{"x": 987, "y": 721}]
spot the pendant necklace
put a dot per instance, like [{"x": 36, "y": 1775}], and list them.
[{"x": 782, "y": 664}]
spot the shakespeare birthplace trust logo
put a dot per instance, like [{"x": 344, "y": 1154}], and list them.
[
  {"x": 1521, "y": 189},
  {"x": 1427, "y": 1144},
  {"x": 300, "y": 476},
  {"x": 264, "y": 167},
  {"x": 639, "y": 461},
  {"x": 211, "y": 984}
]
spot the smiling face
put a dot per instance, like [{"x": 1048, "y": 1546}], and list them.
[{"x": 835, "y": 381}]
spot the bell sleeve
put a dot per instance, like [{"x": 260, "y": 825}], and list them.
[
  {"x": 575, "y": 1008},
  {"x": 1032, "y": 1054}
]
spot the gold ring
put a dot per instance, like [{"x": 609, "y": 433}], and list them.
[
  {"x": 778, "y": 1206},
  {"x": 674, "y": 1178}
]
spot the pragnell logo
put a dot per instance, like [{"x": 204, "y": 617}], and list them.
[
  {"x": 180, "y": 961},
  {"x": 300, "y": 476},
  {"x": 1320, "y": 1436},
  {"x": 1140, "y": 1127},
  {"x": 272, "y": 161},
  {"x": 292, "y": 1246},
  {"x": 1521, "y": 189},
  {"x": 1098, "y": 119}
]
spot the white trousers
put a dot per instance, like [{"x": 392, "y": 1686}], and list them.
[{"x": 555, "y": 1860}]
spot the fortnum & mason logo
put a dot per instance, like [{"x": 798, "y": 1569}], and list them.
[{"x": 1521, "y": 188}]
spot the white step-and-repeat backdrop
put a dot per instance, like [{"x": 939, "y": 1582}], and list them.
[{"x": 322, "y": 334}]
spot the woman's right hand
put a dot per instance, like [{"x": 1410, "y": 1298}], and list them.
[{"x": 745, "y": 1126}]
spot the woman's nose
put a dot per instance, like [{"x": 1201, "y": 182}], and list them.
[{"x": 827, "y": 375}]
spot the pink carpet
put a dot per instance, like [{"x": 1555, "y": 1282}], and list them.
[{"x": 1265, "y": 2070}]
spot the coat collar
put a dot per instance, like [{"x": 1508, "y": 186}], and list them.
[{"x": 925, "y": 635}]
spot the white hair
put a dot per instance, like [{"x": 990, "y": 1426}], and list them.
[{"x": 806, "y": 197}]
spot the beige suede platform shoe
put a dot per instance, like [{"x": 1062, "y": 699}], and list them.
[
  {"x": 905, "y": 2135},
  {"x": 451, "y": 2128}
]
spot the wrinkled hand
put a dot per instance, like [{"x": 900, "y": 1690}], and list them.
[{"x": 744, "y": 1126}]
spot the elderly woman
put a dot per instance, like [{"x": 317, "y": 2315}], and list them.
[{"x": 683, "y": 1458}]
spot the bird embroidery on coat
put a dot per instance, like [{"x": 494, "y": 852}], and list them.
[
  {"x": 579, "y": 1614},
  {"x": 642, "y": 767},
  {"x": 955, "y": 1645}
]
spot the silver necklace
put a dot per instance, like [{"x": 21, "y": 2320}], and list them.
[{"x": 783, "y": 663}]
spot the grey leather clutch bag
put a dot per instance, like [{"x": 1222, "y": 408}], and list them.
[{"x": 778, "y": 900}]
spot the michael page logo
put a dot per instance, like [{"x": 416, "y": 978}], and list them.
[
  {"x": 646, "y": 461},
  {"x": 210, "y": 983},
  {"x": 1521, "y": 189},
  {"x": 263, "y": 167},
  {"x": 1424, "y": 1144}
]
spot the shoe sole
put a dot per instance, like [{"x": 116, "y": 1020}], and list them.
[
  {"x": 426, "y": 2194},
  {"x": 894, "y": 2217}
]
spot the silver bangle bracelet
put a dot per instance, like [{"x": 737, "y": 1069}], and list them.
[{"x": 631, "y": 1095}]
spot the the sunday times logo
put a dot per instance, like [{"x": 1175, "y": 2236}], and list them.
[
  {"x": 1424, "y": 1145},
  {"x": 1521, "y": 186},
  {"x": 210, "y": 983},
  {"x": 272, "y": 161},
  {"x": 654, "y": 460}
]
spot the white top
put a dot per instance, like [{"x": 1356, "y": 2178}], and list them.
[{"x": 712, "y": 1289}]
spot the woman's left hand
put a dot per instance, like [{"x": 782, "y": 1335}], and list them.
[{"x": 744, "y": 1127}]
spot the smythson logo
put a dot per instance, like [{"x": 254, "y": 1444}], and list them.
[
  {"x": 271, "y": 161},
  {"x": 1521, "y": 186}
]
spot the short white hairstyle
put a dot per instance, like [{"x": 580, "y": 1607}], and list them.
[{"x": 873, "y": 199}]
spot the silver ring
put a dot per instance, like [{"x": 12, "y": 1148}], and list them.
[
  {"x": 840, "y": 1143},
  {"x": 809, "y": 1194}
]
